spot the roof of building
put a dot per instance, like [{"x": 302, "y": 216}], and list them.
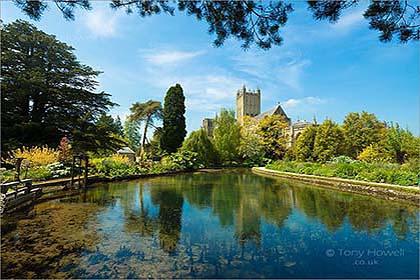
[
  {"x": 125, "y": 150},
  {"x": 276, "y": 110},
  {"x": 302, "y": 123}
]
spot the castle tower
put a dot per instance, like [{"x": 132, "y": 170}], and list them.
[{"x": 248, "y": 103}]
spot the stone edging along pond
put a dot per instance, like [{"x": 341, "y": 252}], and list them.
[{"x": 384, "y": 191}]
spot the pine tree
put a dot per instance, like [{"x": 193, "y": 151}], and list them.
[
  {"x": 45, "y": 90},
  {"x": 173, "y": 131},
  {"x": 147, "y": 112},
  {"x": 118, "y": 126}
]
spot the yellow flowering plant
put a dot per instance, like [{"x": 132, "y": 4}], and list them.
[{"x": 36, "y": 156}]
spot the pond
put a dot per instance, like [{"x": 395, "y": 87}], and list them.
[{"x": 230, "y": 224}]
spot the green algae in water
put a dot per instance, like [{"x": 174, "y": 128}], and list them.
[{"x": 227, "y": 224}]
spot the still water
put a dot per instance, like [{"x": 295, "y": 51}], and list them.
[{"x": 212, "y": 225}]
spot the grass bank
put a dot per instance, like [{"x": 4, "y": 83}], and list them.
[{"x": 403, "y": 175}]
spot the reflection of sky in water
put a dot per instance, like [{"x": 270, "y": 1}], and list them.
[{"x": 222, "y": 226}]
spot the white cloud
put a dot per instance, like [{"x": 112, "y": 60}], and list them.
[
  {"x": 285, "y": 68},
  {"x": 305, "y": 107},
  {"x": 292, "y": 103},
  {"x": 203, "y": 93},
  {"x": 102, "y": 22},
  {"x": 168, "y": 57},
  {"x": 349, "y": 21}
]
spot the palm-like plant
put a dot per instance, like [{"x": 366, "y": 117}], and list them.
[{"x": 148, "y": 112}]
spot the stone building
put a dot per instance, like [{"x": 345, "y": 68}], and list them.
[
  {"x": 208, "y": 125},
  {"x": 276, "y": 110},
  {"x": 128, "y": 153},
  {"x": 298, "y": 127},
  {"x": 248, "y": 103}
]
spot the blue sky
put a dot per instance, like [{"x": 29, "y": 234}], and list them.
[{"x": 323, "y": 70}]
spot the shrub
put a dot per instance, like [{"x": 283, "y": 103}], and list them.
[
  {"x": 374, "y": 153},
  {"x": 39, "y": 173},
  {"x": 37, "y": 156},
  {"x": 183, "y": 160},
  {"x": 59, "y": 170},
  {"x": 115, "y": 165},
  {"x": 327, "y": 172},
  {"x": 6, "y": 175},
  {"x": 179, "y": 161},
  {"x": 348, "y": 170},
  {"x": 373, "y": 172},
  {"x": 342, "y": 159}
]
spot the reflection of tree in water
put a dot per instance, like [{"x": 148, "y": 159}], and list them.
[
  {"x": 404, "y": 221},
  {"x": 170, "y": 203},
  {"x": 140, "y": 222},
  {"x": 167, "y": 222},
  {"x": 225, "y": 200},
  {"x": 275, "y": 204},
  {"x": 103, "y": 196},
  {"x": 248, "y": 227},
  {"x": 372, "y": 214},
  {"x": 243, "y": 200},
  {"x": 362, "y": 212},
  {"x": 316, "y": 203}
]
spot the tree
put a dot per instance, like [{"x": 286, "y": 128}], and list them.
[
  {"x": 274, "y": 132},
  {"x": 374, "y": 153},
  {"x": 401, "y": 144},
  {"x": 254, "y": 22},
  {"x": 227, "y": 135},
  {"x": 361, "y": 131},
  {"x": 390, "y": 18},
  {"x": 45, "y": 89},
  {"x": 132, "y": 134},
  {"x": 304, "y": 147},
  {"x": 118, "y": 126},
  {"x": 109, "y": 122},
  {"x": 154, "y": 146},
  {"x": 251, "y": 148},
  {"x": 173, "y": 130},
  {"x": 200, "y": 143},
  {"x": 146, "y": 112},
  {"x": 89, "y": 135},
  {"x": 65, "y": 150},
  {"x": 328, "y": 141}
]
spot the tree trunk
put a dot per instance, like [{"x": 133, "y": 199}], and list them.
[{"x": 146, "y": 125}]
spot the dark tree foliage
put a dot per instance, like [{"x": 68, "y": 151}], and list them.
[
  {"x": 254, "y": 22},
  {"x": 173, "y": 131},
  {"x": 45, "y": 89},
  {"x": 200, "y": 143},
  {"x": 35, "y": 8},
  {"x": 390, "y": 18},
  {"x": 118, "y": 126},
  {"x": 112, "y": 125},
  {"x": 146, "y": 112},
  {"x": 96, "y": 136},
  {"x": 330, "y": 10}
]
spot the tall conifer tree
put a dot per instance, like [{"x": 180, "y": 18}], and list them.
[{"x": 173, "y": 132}]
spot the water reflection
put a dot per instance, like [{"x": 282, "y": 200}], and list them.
[{"x": 222, "y": 225}]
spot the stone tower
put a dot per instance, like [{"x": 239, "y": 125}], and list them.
[{"x": 248, "y": 103}]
